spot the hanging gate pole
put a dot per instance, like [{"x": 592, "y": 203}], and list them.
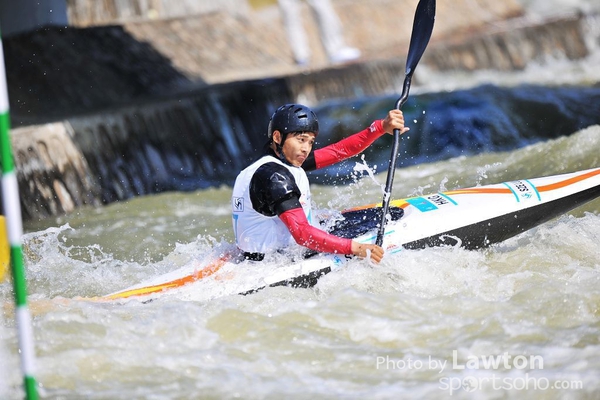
[{"x": 12, "y": 208}]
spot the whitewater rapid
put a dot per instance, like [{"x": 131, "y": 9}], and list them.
[{"x": 365, "y": 331}]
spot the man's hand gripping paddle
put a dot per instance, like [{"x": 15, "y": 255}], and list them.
[{"x": 421, "y": 33}]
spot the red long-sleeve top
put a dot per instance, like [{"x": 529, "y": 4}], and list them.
[{"x": 294, "y": 218}]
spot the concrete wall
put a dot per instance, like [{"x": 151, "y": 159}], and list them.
[
  {"x": 129, "y": 104},
  {"x": 102, "y": 12},
  {"x": 512, "y": 45},
  {"x": 187, "y": 143},
  {"x": 58, "y": 72},
  {"x": 54, "y": 178}
]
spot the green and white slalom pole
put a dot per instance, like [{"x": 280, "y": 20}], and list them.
[{"x": 14, "y": 225}]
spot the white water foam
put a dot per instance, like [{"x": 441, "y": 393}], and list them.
[{"x": 535, "y": 294}]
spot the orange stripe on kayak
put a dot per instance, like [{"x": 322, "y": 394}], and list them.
[
  {"x": 567, "y": 182},
  {"x": 401, "y": 203},
  {"x": 479, "y": 190},
  {"x": 203, "y": 273},
  {"x": 545, "y": 188}
]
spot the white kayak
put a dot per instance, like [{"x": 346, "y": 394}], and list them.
[{"x": 472, "y": 218}]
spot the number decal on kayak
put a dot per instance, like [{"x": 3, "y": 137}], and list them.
[{"x": 523, "y": 190}]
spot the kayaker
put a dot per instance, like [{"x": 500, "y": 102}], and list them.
[{"x": 271, "y": 199}]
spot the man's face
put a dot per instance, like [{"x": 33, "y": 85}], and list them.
[{"x": 297, "y": 146}]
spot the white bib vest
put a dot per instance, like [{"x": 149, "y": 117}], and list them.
[{"x": 255, "y": 232}]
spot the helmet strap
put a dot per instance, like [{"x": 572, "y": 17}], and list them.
[{"x": 279, "y": 148}]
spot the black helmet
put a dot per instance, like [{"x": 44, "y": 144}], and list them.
[{"x": 291, "y": 118}]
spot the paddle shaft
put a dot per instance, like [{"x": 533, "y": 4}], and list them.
[
  {"x": 392, "y": 166},
  {"x": 421, "y": 33}
]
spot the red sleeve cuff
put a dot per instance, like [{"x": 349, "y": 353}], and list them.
[{"x": 377, "y": 127}]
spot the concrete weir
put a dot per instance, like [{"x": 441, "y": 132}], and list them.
[
  {"x": 146, "y": 117},
  {"x": 54, "y": 177},
  {"x": 512, "y": 45},
  {"x": 182, "y": 143}
]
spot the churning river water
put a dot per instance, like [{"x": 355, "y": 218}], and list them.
[
  {"x": 518, "y": 320},
  {"x": 422, "y": 324}
]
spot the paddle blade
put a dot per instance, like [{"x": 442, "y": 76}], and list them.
[{"x": 421, "y": 33}]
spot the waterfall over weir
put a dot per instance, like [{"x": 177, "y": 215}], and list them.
[
  {"x": 183, "y": 142},
  {"x": 180, "y": 144},
  {"x": 176, "y": 144},
  {"x": 204, "y": 140}
]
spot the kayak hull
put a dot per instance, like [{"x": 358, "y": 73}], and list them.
[
  {"x": 498, "y": 229},
  {"x": 472, "y": 218}
]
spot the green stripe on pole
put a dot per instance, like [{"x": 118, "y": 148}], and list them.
[
  {"x": 14, "y": 227},
  {"x": 7, "y": 161},
  {"x": 16, "y": 257}
]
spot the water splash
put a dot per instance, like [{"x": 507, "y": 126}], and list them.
[
  {"x": 363, "y": 166},
  {"x": 482, "y": 172},
  {"x": 537, "y": 293}
]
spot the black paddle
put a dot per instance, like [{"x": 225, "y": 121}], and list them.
[{"x": 422, "y": 28}]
